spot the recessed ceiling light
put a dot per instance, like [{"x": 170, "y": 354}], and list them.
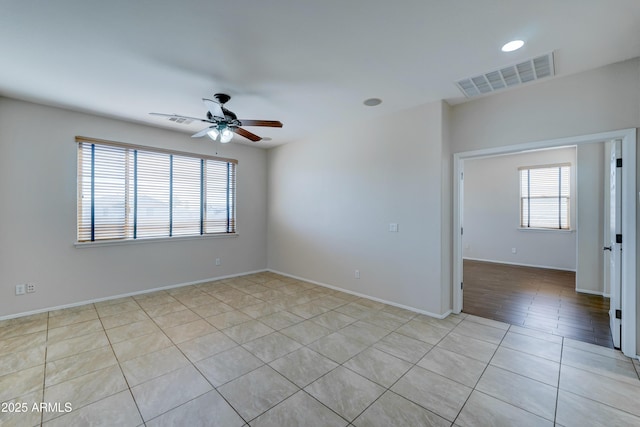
[
  {"x": 512, "y": 45},
  {"x": 372, "y": 102}
]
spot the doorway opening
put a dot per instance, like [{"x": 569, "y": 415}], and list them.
[
  {"x": 626, "y": 314},
  {"x": 520, "y": 251}
]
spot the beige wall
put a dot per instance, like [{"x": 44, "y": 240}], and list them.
[
  {"x": 332, "y": 197},
  {"x": 38, "y": 214}
]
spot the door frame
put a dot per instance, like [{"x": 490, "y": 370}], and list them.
[{"x": 629, "y": 191}]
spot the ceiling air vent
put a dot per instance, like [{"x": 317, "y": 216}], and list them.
[
  {"x": 524, "y": 72},
  {"x": 180, "y": 120}
]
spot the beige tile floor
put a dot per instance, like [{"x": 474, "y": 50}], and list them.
[{"x": 267, "y": 350}]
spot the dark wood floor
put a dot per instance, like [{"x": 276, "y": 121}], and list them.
[{"x": 536, "y": 298}]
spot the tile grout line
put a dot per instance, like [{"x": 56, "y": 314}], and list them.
[
  {"x": 120, "y": 366},
  {"x": 386, "y": 389},
  {"x": 214, "y": 388},
  {"x": 480, "y": 376},
  {"x": 264, "y": 364},
  {"x": 563, "y": 345},
  {"x": 635, "y": 367},
  {"x": 237, "y": 345},
  {"x": 186, "y": 357},
  {"x": 44, "y": 373},
  {"x": 46, "y": 351},
  {"x": 524, "y": 376},
  {"x": 413, "y": 365},
  {"x": 339, "y": 364},
  {"x": 587, "y": 398},
  {"x": 190, "y": 361},
  {"x": 555, "y": 413},
  {"x": 322, "y": 355}
]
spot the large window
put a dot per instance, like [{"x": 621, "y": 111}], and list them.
[
  {"x": 545, "y": 197},
  {"x": 127, "y": 192}
]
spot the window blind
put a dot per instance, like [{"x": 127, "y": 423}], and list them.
[
  {"x": 545, "y": 197},
  {"x": 133, "y": 192}
]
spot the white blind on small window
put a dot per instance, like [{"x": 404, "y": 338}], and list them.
[
  {"x": 131, "y": 192},
  {"x": 545, "y": 197}
]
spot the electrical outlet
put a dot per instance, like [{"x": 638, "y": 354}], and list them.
[
  {"x": 357, "y": 274},
  {"x": 21, "y": 289},
  {"x": 217, "y": 261},
  {"x": 393, "y": 228},
  {"x": 31, "y": 288},
  {"x": 513, "y": 250}
]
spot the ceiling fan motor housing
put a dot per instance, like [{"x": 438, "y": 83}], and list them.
[{"x": 222, "y": 98}]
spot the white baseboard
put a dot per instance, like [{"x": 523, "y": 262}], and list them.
[
  {"x": 146, "y": 291},
  {"x": 520, "y": 264},
  {"x": 179, "y": 285},
  {"x": 590, "y": 292},
  {"x": 336, "y": 288}
]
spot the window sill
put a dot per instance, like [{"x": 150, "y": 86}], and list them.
[
  {"x": 81, "y": 245},
  {"x": 545, "y": 230}
]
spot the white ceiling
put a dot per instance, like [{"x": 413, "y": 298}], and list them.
[{"x": 305, "y": 63}]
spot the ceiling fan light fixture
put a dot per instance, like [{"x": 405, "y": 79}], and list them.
[
  {"x": 213, "y": 133},
  {"x": 226, "y": 135},
  {"x": 512, "y": 45}
]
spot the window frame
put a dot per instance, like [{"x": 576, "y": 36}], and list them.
[
  {"x": 132, "y": 149},
  {"x": 521, "y": 220}
]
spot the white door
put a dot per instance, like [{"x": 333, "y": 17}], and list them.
[{"x": 613, "y": 249}]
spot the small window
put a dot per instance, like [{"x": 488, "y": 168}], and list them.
[
  {"x": 545, "y": 197},
  {"x": 130, "y": 192}
]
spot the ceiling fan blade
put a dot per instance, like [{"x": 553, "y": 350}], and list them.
[
  {"x": 264, "y": 123},
  {"x": 177, "y": 116},
  {"x": 214, "y": 108},
  {"x": 243, "y": 132},
  {"x": 202, "y": 133}
]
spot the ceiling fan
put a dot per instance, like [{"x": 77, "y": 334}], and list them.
[{"x": 224, "y": 123}]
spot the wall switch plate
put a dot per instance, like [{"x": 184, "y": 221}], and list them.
[
  {"x": 31, "y": 288},
  {"x": 21, "y": 289},
  {"x": 393, "y": 227},
  {"x": 217, "y": 261},
  {"x": 357, "y": 274},
  {"x": 513, "y": 250}
]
